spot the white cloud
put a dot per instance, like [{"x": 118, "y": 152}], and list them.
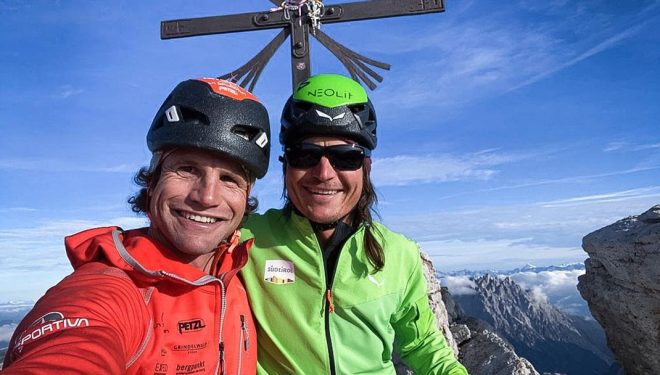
[
  {"x": 618, "y": 196},
  {"x": 409, "y": 169},
  {"x": 18, "y": 209},
  {"x": 53, "y": 165},
  {"x": 36, "y": 254},
  {"x": 600, "y": 47},
  {"x": 625, "y": 146},
  {"x": 615, "y": 146},
  {"x": 498, "y": 254},
  {"x": 538, "y": 294},
  {"x": 557, "y": 287},
  {"x": 68, "y": 91},
  {"x": 648, "y": 146},
  {"x": 6, "y": 331},
  {"x": 459, "y": 285},
  {"x": 509, "y": 236},
  {"x": 501, "y": 51},
  {"x": 41, "y": 247},
  {"x": 562, "y": 180}
]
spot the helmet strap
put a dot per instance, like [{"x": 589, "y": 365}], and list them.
[{"x": 324, "y": 226}]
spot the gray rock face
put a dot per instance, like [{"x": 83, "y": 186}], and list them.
[
  {"x": 438, "y": 307},
  {"x": 487, "y": 353},
  {"x": 436, "y": 302},
  {"x": 622, "y": 287},
  {"x": 481, "y": 352},
  {"x": 550, "y": 339}
]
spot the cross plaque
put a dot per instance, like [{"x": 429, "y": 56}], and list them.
[{"x": 297, "y": 19}]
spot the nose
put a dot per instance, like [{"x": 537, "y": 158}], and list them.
[
  {"x": 206, "y": 191},
  {"x": 324, "y": 171}
]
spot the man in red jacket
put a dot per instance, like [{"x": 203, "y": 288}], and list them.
[{"x": 164, "y": 299}]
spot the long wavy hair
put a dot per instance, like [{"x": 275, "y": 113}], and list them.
[{"x": 361, "y": 214}]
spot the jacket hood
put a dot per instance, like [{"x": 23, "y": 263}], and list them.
[{"x": 135, "y": 252}]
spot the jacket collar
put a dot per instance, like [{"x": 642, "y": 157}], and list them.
[{"x": 135, "y": 251}]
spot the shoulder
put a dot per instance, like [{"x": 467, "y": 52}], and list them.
[
  {"x": 390, "y": 238},
  {"x": 94, "y": 286},
  {"x": 401, "y": 253},
  {"x": 262, "y": 223},
  {"x": 97, "y": 308}
]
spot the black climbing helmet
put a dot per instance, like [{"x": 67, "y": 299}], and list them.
[
  {"x": 332, "y": 105},
  {"x": 214, "y": 115}
]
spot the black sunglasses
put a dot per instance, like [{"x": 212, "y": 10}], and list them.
[{"x": 347, "y": 157}]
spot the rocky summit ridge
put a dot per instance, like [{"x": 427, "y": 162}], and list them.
[
  {"x": 479, "y": 348},
  {"x": 622, "y": 287}
]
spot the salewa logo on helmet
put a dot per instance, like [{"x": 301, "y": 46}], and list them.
[
  {"x": 325, "y": 115},
  {"x": 279, "y": 271}
]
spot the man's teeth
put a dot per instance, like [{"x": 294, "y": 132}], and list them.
[
  {"x": 199, "y": 218},
  {"x": 323, "y": 192}
]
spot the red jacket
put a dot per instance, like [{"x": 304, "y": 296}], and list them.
[{"x": 131, "y": 307}]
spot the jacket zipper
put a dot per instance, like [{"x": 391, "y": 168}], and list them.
[
  {"x": 221, "y": 345},
  {"x": 330, "y": 309},
  {"x": 330, "y": 271},
  {"x": 331, "y": 354},
  {"x": 243, "y": 343}
]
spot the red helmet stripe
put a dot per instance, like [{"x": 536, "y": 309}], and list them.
[{"x": 229, "y": 89}]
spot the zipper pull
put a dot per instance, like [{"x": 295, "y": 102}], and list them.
[
  {"x": 246, "y": 337},
  {"x": 221, "y": 348},
  {"x": 331, "y": 305}
]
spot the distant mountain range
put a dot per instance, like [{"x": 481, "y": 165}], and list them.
[
  {"x": 553, "y": 341},
  {"x": 11, "y": 314},
  {"x": 14, "y": 311},
  {"x": 557, "y": 284},
  {"x": 527, "y": 268}
]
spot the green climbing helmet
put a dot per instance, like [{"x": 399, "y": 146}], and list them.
[{"x": 329, "y": 105}]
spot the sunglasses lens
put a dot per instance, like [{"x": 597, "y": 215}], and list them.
[
  {"x": 342, "y": 157},
  {"x": 346, "y": 157},
  {"x": 303, "y": 156}
]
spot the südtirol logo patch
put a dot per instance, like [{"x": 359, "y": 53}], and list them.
[{"x": 279, "y": 271}]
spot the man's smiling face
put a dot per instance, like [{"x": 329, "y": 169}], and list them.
[
  {"x": 198, "y": 201},
  {"x": 322, "y": 193}
]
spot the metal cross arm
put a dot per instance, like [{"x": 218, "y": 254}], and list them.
[{"x": 299, "y": 18}]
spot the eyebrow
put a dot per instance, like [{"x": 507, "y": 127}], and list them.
[{"x": 188, "y": 159}]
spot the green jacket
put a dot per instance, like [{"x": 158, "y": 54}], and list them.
[{"x": 373, "y": 313}]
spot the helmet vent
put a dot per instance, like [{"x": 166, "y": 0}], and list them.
[
  {"x": 357, "y": 108},
  {"x": 245, "y": 132},
  {"x": 171, "y": 114},
  {"x": 193, "y": 117},
  {"x": 303, "y": 106}
]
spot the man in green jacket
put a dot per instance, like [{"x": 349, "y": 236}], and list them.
[{"x": 334, "y": 292}]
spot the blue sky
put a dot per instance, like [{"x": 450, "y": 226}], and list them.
[{"x": 507, "y": 130}]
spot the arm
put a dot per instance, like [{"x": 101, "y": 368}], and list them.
[
  {"x": 419, "y": 342},
  {"x": 89, "y": 323}
]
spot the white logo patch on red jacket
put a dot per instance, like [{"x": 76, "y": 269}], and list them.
[{"x": 48, "y": 323}]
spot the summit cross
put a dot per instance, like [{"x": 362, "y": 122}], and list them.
[{"x": 298, "y": 19}]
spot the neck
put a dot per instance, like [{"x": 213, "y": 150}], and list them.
[
  {"x": 324, "y": 235},
  {"x": 202, "y": 262}
]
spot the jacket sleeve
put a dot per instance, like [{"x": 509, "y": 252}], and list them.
[
  {"x": 419, "y": 342},
  {"x": 92, "y": 322}
]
